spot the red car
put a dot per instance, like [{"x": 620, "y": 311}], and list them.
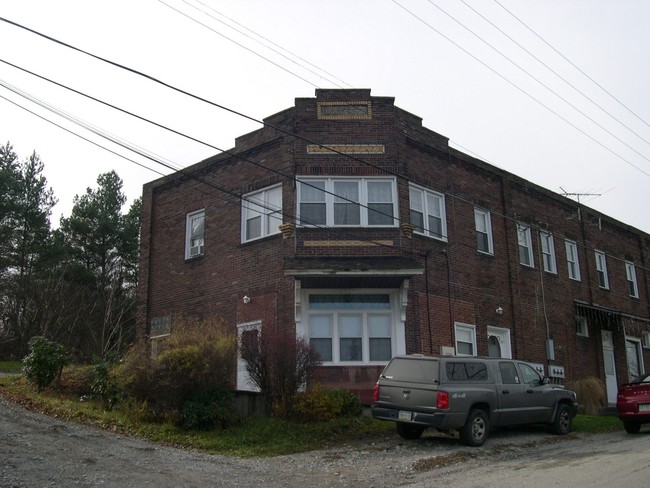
[{"x": 633, "y": 403}]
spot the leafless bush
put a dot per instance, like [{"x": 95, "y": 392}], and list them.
[
  {"x": 591, "y": 395},
  {"x": 279, "y": 365}
]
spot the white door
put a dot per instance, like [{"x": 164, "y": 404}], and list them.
[
  {"x": 610, "y": 368},
  {"x": 499, "y": 342}
]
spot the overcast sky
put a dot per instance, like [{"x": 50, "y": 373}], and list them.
[{"x": 553, "y": 91}]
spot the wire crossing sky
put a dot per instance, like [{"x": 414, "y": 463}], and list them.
[{"x": 572, "y": 118}]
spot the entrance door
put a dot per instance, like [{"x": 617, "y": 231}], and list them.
[
  {"x": 610, "y": 367},
  {"x": 634, "y": 358}
]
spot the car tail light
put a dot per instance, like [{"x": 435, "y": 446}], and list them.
[
  {"x": 375, "y": 393},
  {"x": 442, "y": 401}
]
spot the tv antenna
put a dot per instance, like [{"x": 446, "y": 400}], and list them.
[{"x": 577, "y": 196}]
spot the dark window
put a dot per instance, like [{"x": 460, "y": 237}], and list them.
[
  {"x": 509, "y": 374},
  {"x": 415, "y": 370},
  {"x": 466, "y": 371}
]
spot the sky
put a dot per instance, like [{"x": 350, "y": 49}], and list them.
[{"x": 553, "y": 91}]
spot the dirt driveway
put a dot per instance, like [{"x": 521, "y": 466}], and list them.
[{"x": 40, "y": 451}]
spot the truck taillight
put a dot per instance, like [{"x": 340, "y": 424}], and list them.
[
  {"x": 375, "y": 393},
  {"x": 443, "y": 400}
]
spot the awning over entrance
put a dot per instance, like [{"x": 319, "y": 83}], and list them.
[
  {"x": 352, "y": 272},
  {"x": 605, "y": 318}
]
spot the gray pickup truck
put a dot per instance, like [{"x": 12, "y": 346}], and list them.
[{"x": 468, "y": 394}]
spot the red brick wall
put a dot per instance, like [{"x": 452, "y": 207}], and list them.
[{"x": 461, "y": 285}]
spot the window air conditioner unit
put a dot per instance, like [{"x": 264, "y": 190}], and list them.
[{"x": 196, "y": 251}]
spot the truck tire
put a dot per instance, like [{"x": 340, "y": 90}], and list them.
[
  {"x": 632, "y": 427},
  {"x": 562, "y": 424},
  {"x": 476, "y": 429},
  {"x": 409, "y": 431}
]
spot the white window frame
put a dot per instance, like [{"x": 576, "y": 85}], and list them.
[
  {"x": 266, "y": 205},
  {"x": 646, "y": 340},
  {"x": 470, "y": 329},
  {"x": 582, "y": 326},
  {"x": 396, "y": 325},
  {"x": 525, "y": 243},
  {"x": 630, "y": 272},
  {"x": 573, "y": 262},
  {"x": 483, "y": 225},
  {"x": 194, "y": 244},
  {"x": 547, "y": 246},
  {"x": 601, "y": 270},
  {"x": 423, "y": 201},
  {"x": 329, "y": 200}
]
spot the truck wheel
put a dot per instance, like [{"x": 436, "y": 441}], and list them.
[
  {"x": 563, "y": 423},
  {"x": 632, "y": 427},
  {"x": 408, "y": 431},
  {"x": 476, "y": 429}
]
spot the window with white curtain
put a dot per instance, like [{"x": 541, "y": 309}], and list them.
[
  {"x": 338, "y": 202},
  {"x": 428, "y": 212},
  {"x": 261, "y": 213}
]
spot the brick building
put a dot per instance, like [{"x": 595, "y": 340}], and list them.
[{"x": 345, "y": 221}]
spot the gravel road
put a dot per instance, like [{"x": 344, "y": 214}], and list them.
[{"x": 40, "y": 451}]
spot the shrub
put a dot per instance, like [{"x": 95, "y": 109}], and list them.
[
  {"x": 319, "y": 403},
  {"x": 279, "y": 366},
  {"x": 209, "y": 409},
  {"x": 591, "y": 395},
  {"x": 76, "y": 380},
  {"x": 104, "y": 385},
  {"x": 198, "y": 357},
  {"x": 45, "y": 362}
]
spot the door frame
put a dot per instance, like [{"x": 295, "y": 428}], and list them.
[{"x": 609, "y": 365}]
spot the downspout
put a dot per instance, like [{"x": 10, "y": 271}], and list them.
[
  {"x": 426, "y": 287},
  {"x": 513, "y": 324}
]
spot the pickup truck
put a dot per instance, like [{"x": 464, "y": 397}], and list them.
[{"x": 470, "y": 395}]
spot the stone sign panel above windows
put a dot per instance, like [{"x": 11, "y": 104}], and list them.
[{"x": 344, "y": 110}]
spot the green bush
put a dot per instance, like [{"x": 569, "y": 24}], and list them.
[
  {"x": 104, "y": 385},
  {"x": 319, "y": 403},
  {"x": 208, "y": 410},
  {"x": 45, "y": 362},
  {"x": 198, "y": 357}
]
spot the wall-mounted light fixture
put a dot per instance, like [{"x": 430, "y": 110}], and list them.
[
  {"x": 499, "y": 311},
  {"x": 246, "y": 299}
]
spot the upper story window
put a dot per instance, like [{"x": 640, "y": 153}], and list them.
[
  {"x": 573, "y": 265},
  {"x": 428, "y": 212},
  {"x": 548, "y": 252},
  {"x": 483, "y": 231},
  {"x": 261, "y": 213},
  {"x": 194, "y": 234},
  {"x": 601, "y": 270},
  {"x": 525, "y": 246},
  {"x": 347, "y": 202},
  {"x": 630, "y": 272}
]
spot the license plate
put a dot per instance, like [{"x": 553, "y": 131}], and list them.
[
  {"x": 644, "y": 407},
  {"x": 404, "y": 415}
]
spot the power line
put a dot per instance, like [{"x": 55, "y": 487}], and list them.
[
  {"x": 239, "y": 44},
  {"x": 571, "y": 63},
  {"x": 554, "y": 72},
  {"x": 537, "y": 80},
  {"x": 238, "y": 195},
  {"x": 277, "y": 51}
]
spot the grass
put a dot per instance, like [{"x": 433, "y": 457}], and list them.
[
  {"x": 10, "y": 366},
  {"x": 253, "y": 437}
]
